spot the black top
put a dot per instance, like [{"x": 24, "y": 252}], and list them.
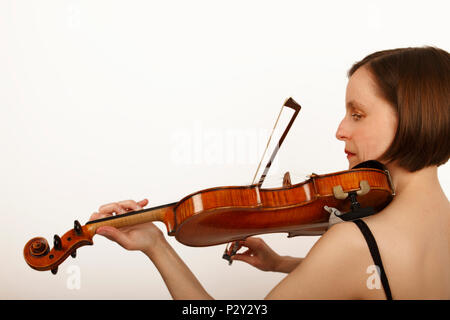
[{"x": 375, "y": 255}]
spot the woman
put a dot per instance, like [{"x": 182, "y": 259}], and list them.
[{"x": 397, "y": 112}]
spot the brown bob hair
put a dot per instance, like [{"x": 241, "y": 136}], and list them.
[{"x": 416, "y": 82}]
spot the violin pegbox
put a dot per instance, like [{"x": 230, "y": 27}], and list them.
[{"x": 39, "y": 256}]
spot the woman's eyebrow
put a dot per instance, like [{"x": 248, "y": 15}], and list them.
[{"x": 355, "y": 105}]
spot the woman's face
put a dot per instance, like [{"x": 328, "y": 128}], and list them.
[{"x": 370, "y": 122}]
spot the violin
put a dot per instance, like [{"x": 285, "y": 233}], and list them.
[{"x": 227, "y": 214}]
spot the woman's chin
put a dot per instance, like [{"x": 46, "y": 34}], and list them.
[{"x": 352, "y": 161}]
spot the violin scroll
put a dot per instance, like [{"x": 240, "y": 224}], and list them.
[
  {"x": 38, "y": 246},
  {"x": 39, "y": 256}
]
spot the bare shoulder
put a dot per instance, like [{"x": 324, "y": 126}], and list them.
[{"x": 335, "y": 268}]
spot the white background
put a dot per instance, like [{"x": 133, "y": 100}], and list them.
[{"x": 102, "y": 101}]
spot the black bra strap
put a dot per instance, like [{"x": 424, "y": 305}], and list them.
[{"x": 375, "y": 255}]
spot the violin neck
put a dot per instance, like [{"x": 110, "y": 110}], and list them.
[{"x": 132, "y": 218}]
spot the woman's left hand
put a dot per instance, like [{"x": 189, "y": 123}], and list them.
[{"x": 138, "y": 237}]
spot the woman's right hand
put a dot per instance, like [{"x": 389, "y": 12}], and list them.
[{"x": 259, "y": 255}]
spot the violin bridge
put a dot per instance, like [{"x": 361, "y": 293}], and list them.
[{"x": 287, "y": 180}]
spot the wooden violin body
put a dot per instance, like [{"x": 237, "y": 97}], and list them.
[
  {"x": 221, "y": 215},
  {"x": 225, "y": 214}
]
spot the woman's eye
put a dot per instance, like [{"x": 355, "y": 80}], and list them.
[{"x": 356, "y": 116}]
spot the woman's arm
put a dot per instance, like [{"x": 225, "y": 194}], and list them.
[
  {"x": 180, "y": 281},
  {"x": 146, "y": 237}
]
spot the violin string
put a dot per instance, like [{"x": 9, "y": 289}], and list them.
[{"x": 267, "y": 145}]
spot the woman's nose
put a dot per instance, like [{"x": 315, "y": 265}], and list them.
[{"x": 341, "y": 133}]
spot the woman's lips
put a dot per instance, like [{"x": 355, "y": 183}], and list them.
[{"x": 349, "y": 154}]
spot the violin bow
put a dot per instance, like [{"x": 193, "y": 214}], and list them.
[
  {"x": 291, "y": 103},
  {"x": 231, "y": 250}
]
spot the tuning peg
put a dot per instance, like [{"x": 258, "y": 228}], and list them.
[
  {"x": 57, "y": 242},
  {"x": 77, "y": 227},
  {"x": 55, "y": 270}
]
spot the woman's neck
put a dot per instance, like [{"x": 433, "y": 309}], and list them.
[{"x": 422, "y": 185}]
